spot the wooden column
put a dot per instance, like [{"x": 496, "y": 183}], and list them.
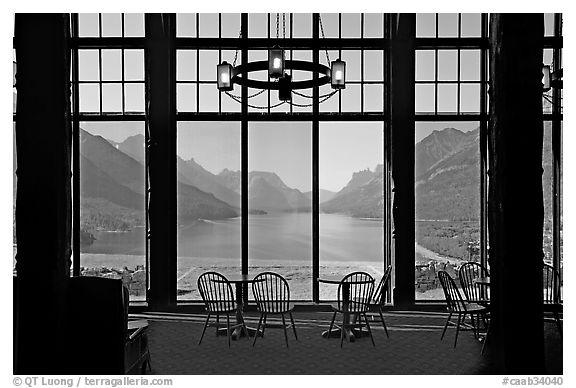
[
  {"x": 402, "y": 94},
  {"x": 161, "y": 120},
  {"x": 515, "y": 209},
  {"x": 43, "y": 201}
]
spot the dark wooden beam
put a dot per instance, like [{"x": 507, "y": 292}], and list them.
[
  {"x": 403, "y": 94},
  {"x": 515, "y": 208},
  {"x": 43, "y": 200},
  {"x": 160, "y": 56}
]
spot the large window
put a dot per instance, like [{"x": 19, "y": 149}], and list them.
[
  {"x": 209, "y": 229},
  {"x": 110, "y": 210},
  {"x": 280, "y": 203},
  {"x": 289, "y": 147},
  {"x": 112, "y": 203},
  {"x": 447, "y": 186},
  {"x": 351, "y": 201}
]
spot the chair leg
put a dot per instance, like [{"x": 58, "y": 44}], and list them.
[
  {"x": 217, "y": 324},
  {"x": 264, "y": 324},
  {"x": 342, "y": 333},
  {"x": 204, "y": 329},
  {"x": 284, "y": 327},
  {"x": 258, "y": 329},
  {"x": 383, "y": 323},
  {"x": 293, "y": 326},
  {"x": 331, "y": 325},
  {"x": 446, "y": 326},
  {"x": 228, "y": 328},
  {"x": 485, "y": 339},
  {"x": 369, "y": 330},
  {"x": 457, "y": 328}
]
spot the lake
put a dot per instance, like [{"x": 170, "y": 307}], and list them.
[{"x": 279, "y": 242}]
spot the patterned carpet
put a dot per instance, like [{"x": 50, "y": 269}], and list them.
[{"x": 414, "y": 348}]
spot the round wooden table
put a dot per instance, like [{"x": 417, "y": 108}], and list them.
[
  {"x": 239, "y": 280},
  {"x": 348, "y": 333}
]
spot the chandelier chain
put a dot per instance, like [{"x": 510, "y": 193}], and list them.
[
  {"x": 324, "y": 37},
  {"x": 237, "y": 99},
  {"x": 249, "y": 96},
  {"x": 277, "y": 26},
  {"x": 236, "y": 53}
]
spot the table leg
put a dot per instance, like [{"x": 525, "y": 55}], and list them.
[{"x": 239, "y": 331}]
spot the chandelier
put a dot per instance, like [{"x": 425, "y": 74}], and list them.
[{"x": 230, "y": 74}]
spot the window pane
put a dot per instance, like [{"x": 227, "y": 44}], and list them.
[
  {"x": 134, "y": 97},
  {"x": 209, "y": 25},
  {"x": 88, "y": 65},
  {"x": 351, "y": 25},
  {"x": 88, "y": 25},
  {"x": 373, "y": 25},
  {"x": 447, "y": 98},
  {"x": 351, "y": 98},
  {"x": 352, "y": 59},
  {"x": 112, "y": 98},
  {"x": 186, "y": 65},
  {"x": 209, "y": 98},
  {"x": 111, "y": 25},
  {"x": 230, "y": 25},
  {"x": 229, "y": 104},
  {"x": 208, "y": 63},
  {"x": 548, "y": 24},
  {"x": 470, "y": 65},
  {"x": 186, "y": 25},
  {"x": 425, "y": 65},
  {"x": 471, "y": 25},
  {"x": 425, "y": 25},
  {"x": 330, "y": 25},
  {"x": 447, "y": 25},
  {"x": 258, "y": 25},
  {"x": 447, "y": 173},
  {"x": 302, "y": 25},
  {"x": 280, "y": 221},
  {"x": 111, "y": 65},
  {"x": 351, "y": 189},
  {"x": 89, "y": 98},
  {"x": 373, "y": 65},
  {"x": 209, "y": 229},
  {"x": 111, "y": 201},
  {"x": 373, "y": 97},
  {"x": 470, "y": 98},
  {"x": 134, "y": 65},
  {"x": 424, "y": 98},
  {"x": 447, "y": 65},
  {"x": 331, "y": 104},
  {"x": 186, "y": 98},
  {"x": 133, "y": 25}
]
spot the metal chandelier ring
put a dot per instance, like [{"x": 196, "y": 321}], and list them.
[{"x": 240, "y": 75}]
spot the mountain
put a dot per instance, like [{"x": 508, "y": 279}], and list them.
[
  {"x": 230, "y": 179},
  {"x": 439, "y": 145},
  {"x": 325, "y": 195},
  {"x": 450, "y": 188},
  {"x": 134, "y": 147},
  {"x": 358, "y": 180},
  {"x": 447, "y": 181},
  {"x": 112, "y": 189},
  {"x": 194, "y": 174},
  {"x": 361, "y": 197},
  {"x": 267, "y": 191}
]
